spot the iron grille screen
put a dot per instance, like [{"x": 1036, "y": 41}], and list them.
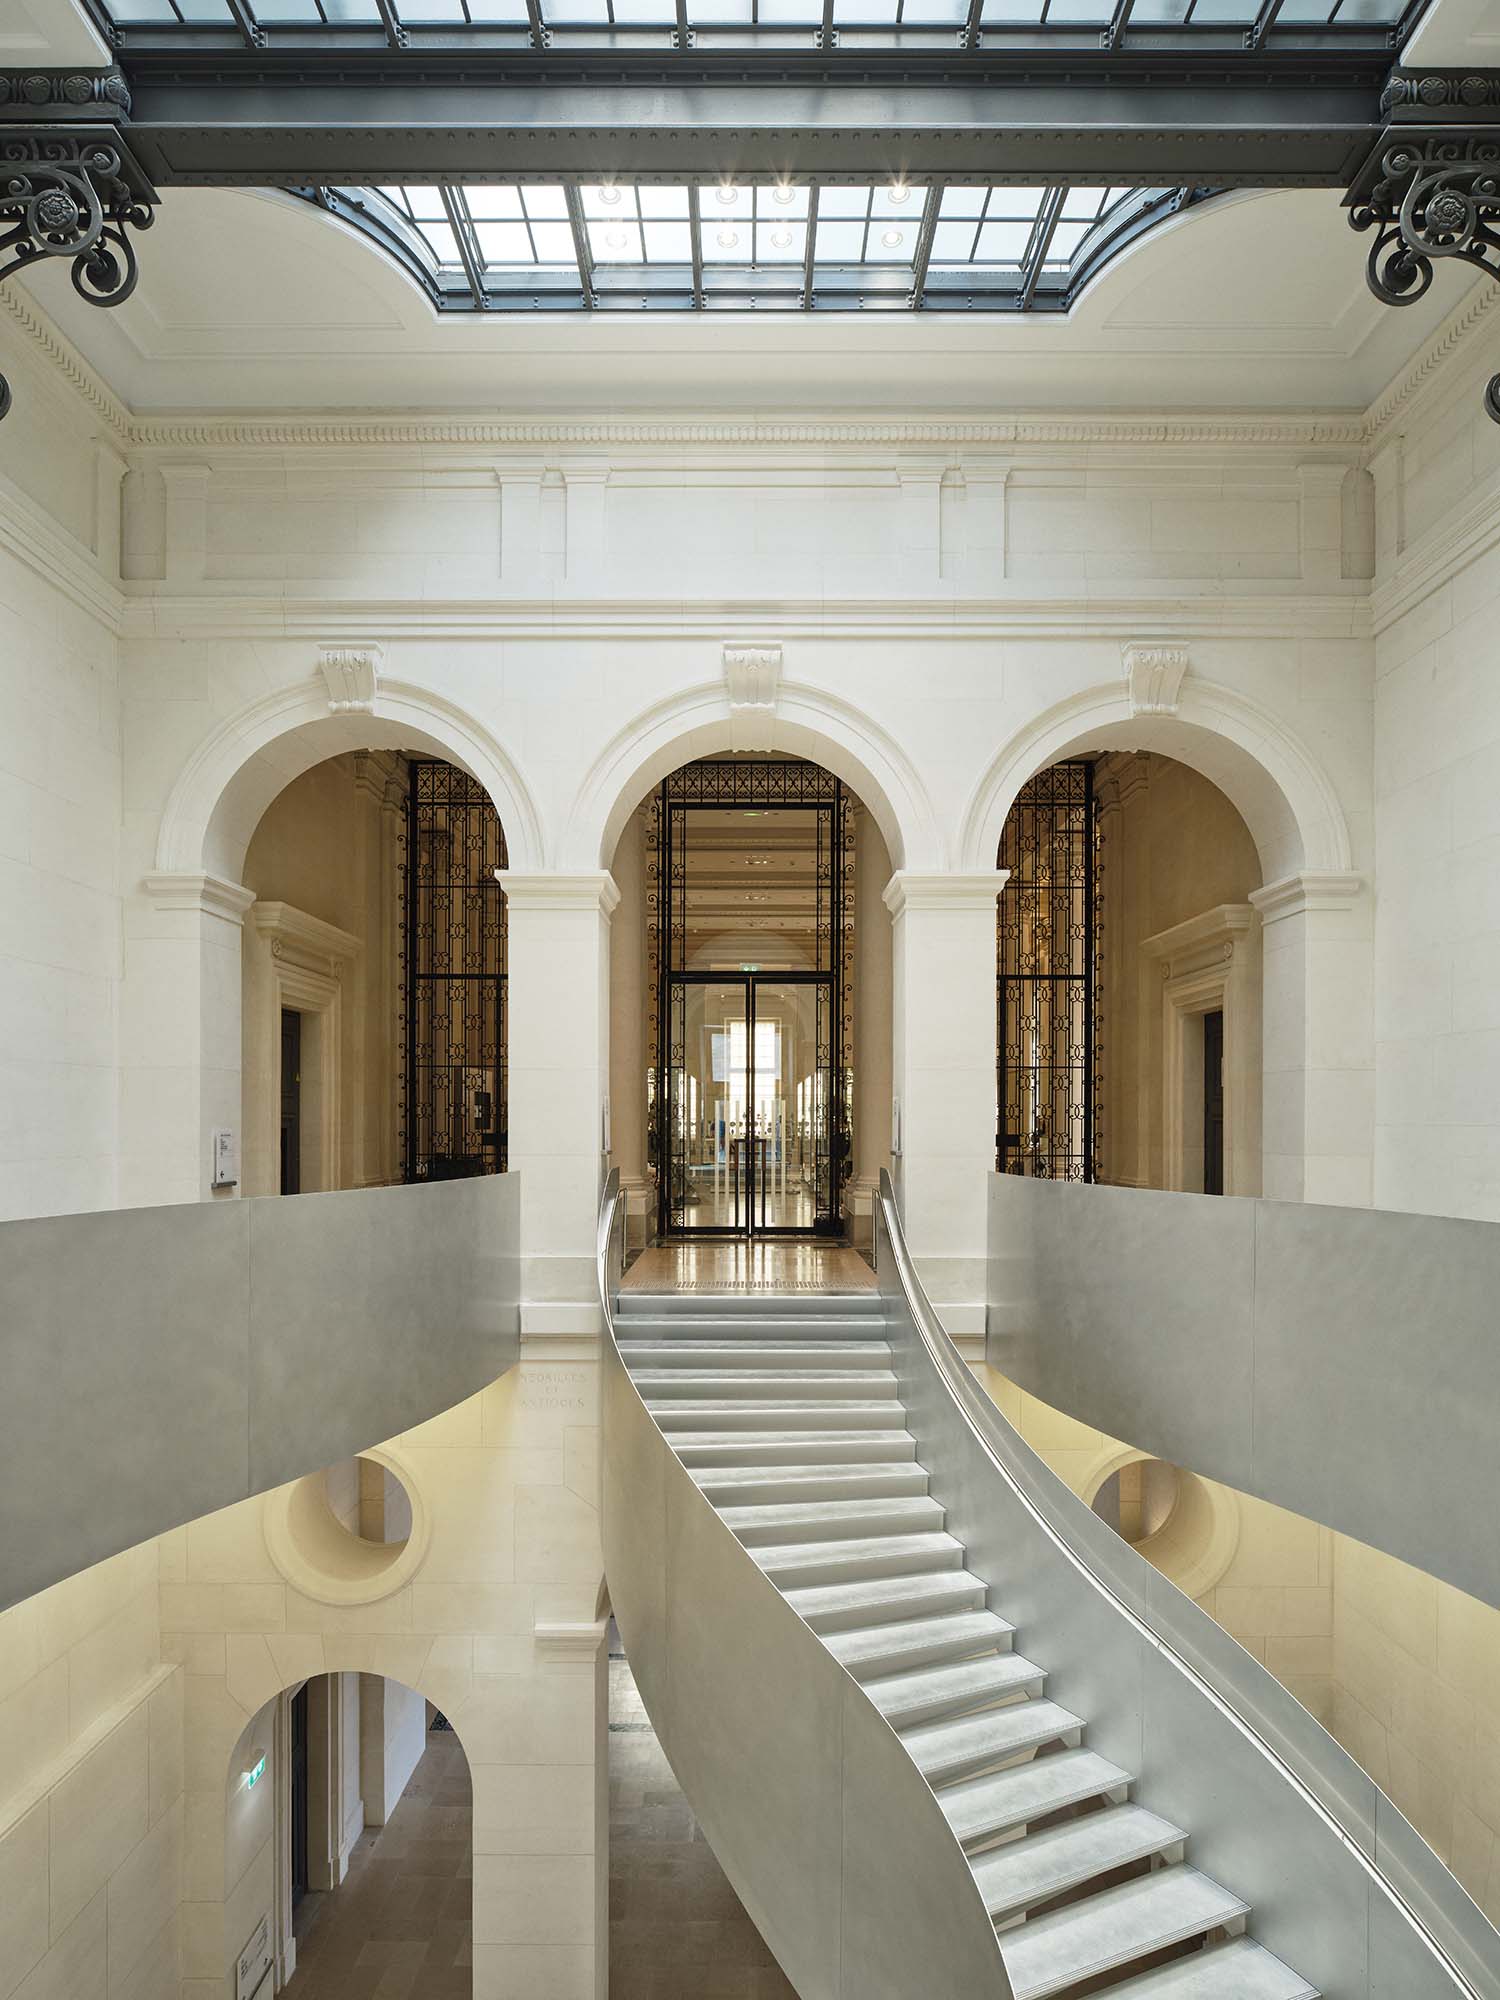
[
  {"x": 453, "y": 1082},
  {"x": 1047, "y": 934}
]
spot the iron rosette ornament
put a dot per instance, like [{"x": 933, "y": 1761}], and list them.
[
  {"x": 1434, "y": 198},
  {"x": 69, "y": 198}
]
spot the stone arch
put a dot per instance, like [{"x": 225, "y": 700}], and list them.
[
  {"x": 249, "y": 759},
  {"x": 238, "y": 1743},
  {"x": 806, "y": 723},
  {"x": 1262, "y": 767}
]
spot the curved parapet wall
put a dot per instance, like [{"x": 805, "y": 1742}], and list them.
[
  {"x": 828, "y": 1832},
  {"x": 1340, "y": 1884},
  {"x": 1342, "y": 1363},
  {"x": 161, "y": 1363}
]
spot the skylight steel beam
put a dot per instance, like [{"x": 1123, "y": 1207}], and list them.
[
  {"x": 809, "y": 250},
  {"x": 1040, "y": 244},
  {"x": 922, "y": 255},
  {"x": 581, "y": 248},
  {"x": 700, "y": 114},
  {"x": 462, "y": 225}
]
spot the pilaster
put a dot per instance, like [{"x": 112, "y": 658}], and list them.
[
  {"x": 944, "y": 1084},
  {"x": 558, "y": 1080},
  {"x": 1318, "y": 1126}
]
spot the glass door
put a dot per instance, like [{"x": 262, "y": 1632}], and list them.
[
  {"x": 750, "y": 1105},
  {"x": 710, "y": 1095}
]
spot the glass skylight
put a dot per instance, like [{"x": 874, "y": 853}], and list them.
[
  {"x": 629, "y": 246},
  {"x": 776, "y": 22}
]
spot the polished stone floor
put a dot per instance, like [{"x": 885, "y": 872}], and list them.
[
  {"x": 400, "y": 1926},
  {"x": 802, "y": 1266},
  {"x": 677, "y": 1931}
]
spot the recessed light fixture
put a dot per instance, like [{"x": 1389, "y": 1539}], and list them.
[
  {"x": 899, "y": 192},
  {"x": 615, "y": 239},
  {"x": 728, "y": 195},
  {"x": 728, "y": 239},
  {"x": 609, "y": 196},
  {"x": 781, "y": 239},
  {"x": 893, "y": 239},
  {"x": 784, "y": 195}
]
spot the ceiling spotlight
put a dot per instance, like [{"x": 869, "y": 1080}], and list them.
[
  {"x": 898, "y": 193},
  {"x": 781, "y": 239},
  {"x": 609, "y": 196},
  {"x": 616, "y": 239},
  {"x": 893, "y": 239},
  {"x": 728, "y": 239},
  {"x": 728, "y": 195},
  {"x": 784, "y": 194}
]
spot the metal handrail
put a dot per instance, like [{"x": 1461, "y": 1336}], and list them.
[{"x": 1305, "y": 1755}]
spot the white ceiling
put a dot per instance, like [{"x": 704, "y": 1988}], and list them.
[{"x": 251, "y": 301}]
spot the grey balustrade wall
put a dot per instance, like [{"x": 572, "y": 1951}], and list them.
[
  {"x": 158, "y": 1363},
  {"x": 1343, "y": 1363}
]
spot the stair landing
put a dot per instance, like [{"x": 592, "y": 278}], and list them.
[{"x": 749, "y": 1267}]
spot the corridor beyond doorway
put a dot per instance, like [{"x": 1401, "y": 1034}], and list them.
[
  {"x": 400, "y": 1924},
  {"x": 749, "y": 1267}
]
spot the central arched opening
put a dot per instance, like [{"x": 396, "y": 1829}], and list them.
[{"x": 752, "y": 945}]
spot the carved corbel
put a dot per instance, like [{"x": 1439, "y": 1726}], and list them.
[
  {"x": 1431, "y": 187},
  {"x": 69, "y": 184},
  {"x": 752, "y": 676},
  {"x": 1153, "y": 677},
  {"x": 351, "y": 675}
]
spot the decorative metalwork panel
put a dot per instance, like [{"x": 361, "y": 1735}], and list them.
[
  {"x": 757, "y": 786},
  {"x": 453, "y": 970},
  {"x": 1047, "y": 978}
]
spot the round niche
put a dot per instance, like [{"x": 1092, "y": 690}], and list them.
[
  {"x": 352, "y": 1533},
  {"x": 1185, "y": 1526}
]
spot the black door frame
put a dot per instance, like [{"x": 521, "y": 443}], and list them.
[{"x": 750, "y": 1228}]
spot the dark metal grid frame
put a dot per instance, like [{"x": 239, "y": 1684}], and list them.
[
  {"x": 1047, "y": 941},
  {"x": 452, "y": 1083},
  {"x": 1034, "y": 284},
  {"x": 759, "y": 785},
  {"x": 1251, "y": 26}
]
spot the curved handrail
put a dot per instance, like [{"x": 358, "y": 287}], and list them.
[
  {"x": 827, "y": 1831},
  {"x": 1320, "y": 1810}
]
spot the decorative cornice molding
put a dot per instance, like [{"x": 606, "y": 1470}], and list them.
[
  {"x": 297, "y": 933},
  {"x": 1308, "y": 890},
  {"x": 68, "y": 362},
  {"x": 1200, "y": 941},
  {"x": 559, "y": 1644},
  {"x": 1456, "y": 332},
  {"x": 1153, "y": 676},
  {"x": 559, "y": 891},
  {"x": 210, "y": 895},
  {"x": 351, "y": 675},
  {"x": 958, "y": 890},
  {"x": 1293, "y": 612},
  {"x": 752, "y": 675},
  {"x": 69, "y": 93},
  {"x": 231, "y": 433}
]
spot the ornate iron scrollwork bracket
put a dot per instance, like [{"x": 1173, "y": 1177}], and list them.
[
  {"x": 1431, "y": 188},
  {"x": 70, "y": 189}
]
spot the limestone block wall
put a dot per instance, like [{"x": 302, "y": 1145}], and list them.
[
  {"x": 1437, "y": 726},
  {"x": 91, "y": 1790},
  {"x": 131, "y": 1858}
]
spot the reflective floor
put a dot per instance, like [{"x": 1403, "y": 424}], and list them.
[
  {"x": 400, "y": 1925},
  {"x": 677, "y": 1931},
  {"x": 750, "y": 1267}
]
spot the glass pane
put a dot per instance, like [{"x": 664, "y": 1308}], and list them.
[
  {"x": 790, "y": 1093},
  {"x": 710, "y": 1106}
]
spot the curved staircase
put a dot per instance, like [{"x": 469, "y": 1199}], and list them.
[{"x": 786, "y": 1412}]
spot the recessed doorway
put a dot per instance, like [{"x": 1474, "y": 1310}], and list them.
[{"x": 749, "y": 893}]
